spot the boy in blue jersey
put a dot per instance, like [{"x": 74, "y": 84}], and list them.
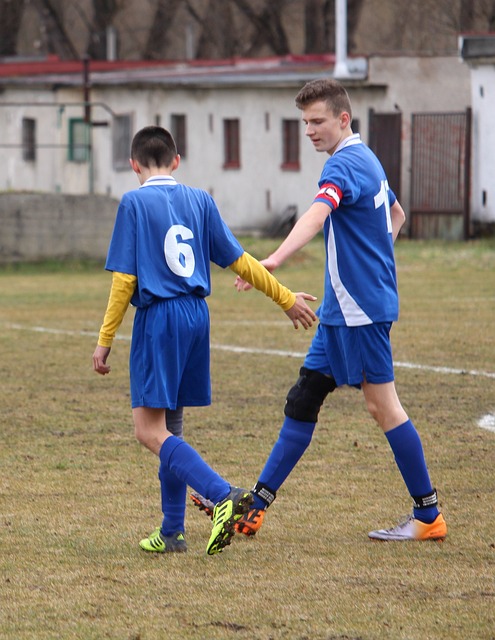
[
  {"x": 360, "y": 218},
  {"x": 165, "y": 237}
]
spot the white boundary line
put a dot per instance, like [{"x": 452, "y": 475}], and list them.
[
  {"x": 254, "y": 350},
  {"x": 487, "y": 422}
]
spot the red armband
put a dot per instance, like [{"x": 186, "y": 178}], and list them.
[{"x": 330, "y": 194}]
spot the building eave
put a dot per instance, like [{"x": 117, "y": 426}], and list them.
[
  {"x": 287, "y": 71},
  {"x": 478, "y": 49}
]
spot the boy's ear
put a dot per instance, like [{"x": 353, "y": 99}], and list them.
[
  {"x": 176, "y": 162},
  {"x": 345, "y": 119},
  {"x": 135, "y": 166}
]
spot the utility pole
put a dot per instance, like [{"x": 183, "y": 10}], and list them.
[{"x": 341, "y": 67}]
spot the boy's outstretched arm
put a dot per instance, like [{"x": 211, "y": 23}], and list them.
[
  {"x": 305, "y": 229},
  {"x": 294, "y": 305}
]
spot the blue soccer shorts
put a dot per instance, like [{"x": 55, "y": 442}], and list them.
[
  {"x": 353, "y": 354},
  {"x": 169, "y": 361}
]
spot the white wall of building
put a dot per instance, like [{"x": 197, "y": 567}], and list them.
[
  {"x": 251, "y": 196},
  {"x": 248, "y": 196},
  {"x": 483, "y": 161}
]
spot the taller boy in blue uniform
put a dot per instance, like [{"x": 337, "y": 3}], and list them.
[
  {"x": 360, "y": 218},
  {"x": 165, "y": 236}
]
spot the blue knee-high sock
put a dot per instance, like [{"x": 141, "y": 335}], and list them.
[
  {"x": 409, "y": 456},
  {"x": 293, "y": 440},
  {"x": 173, "y": 490},
  {"x": 182, "y": 460}
]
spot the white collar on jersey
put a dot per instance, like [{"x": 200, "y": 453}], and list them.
[
  {"x": 347, "y": 142},
  {"x": 159, "y": 180}
]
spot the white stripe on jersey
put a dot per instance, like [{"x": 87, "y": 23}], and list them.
[{"x": 354, "y": 316}]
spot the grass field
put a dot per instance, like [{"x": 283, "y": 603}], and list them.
[{"x": 77, "y": 492}]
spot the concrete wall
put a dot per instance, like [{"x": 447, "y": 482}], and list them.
[{"x": 54, "y": 226}]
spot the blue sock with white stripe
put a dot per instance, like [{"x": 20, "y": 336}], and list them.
[{"x": 409, "y": 456}]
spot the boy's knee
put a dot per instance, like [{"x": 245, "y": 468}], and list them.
[
  {"x": 373, "y": 409},
  {"x": 140, "y": 434},
  {"x": 305, "y": 398}
]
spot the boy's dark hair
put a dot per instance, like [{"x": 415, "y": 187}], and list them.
[
  {"x": 327, "y": 89},
  {"x": 153, "y": 146}
]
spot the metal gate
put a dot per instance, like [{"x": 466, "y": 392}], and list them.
[
  {"x": 385, "y": 140},
  {"x": 440, "y": 175}
]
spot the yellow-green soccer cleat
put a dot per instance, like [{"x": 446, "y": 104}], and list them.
[
  {"x": 157, "y": 543},
  {"x": 248, "y": 524},
  {"x": 413, "y": 529},
  {"x": 226, "y": 513}
]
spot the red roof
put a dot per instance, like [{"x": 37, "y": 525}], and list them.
[{"x": 12, "y": 67}]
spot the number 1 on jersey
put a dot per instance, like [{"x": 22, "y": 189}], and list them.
[{"x": 381, "y": 198}]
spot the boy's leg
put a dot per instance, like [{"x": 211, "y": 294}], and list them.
[
  {"x": 405, "y": 442},
  {"x": 303, "y": 404},
  {"x": 151, "y": 428},
  {"x": 231, "y": 503},
  {"x": 186, "y": 464},
  {"x": 173, "y": 490}
]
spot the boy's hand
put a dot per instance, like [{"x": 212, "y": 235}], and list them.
[
  {"x": 100, "y": 360},
  {"x": 300, "y": 312},
  {"x": 242, "y": 285}
]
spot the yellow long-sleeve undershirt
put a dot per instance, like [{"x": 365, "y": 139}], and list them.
[
  {"x": 247, "y": 267},
  {"x": 123, "y": 286}
]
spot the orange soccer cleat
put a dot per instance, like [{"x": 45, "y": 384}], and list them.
[
  {"x": 413, "y": 529},
  {"x": 251, "y": 522}
]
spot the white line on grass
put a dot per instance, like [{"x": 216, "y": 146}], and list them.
[
  {"x": 487, "y": 422},
  {"x": 254, "y": 350}
]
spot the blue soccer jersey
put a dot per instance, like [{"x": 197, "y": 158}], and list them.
[
  {"x": 360, "y": 278},
  {"x": 166, "y": 234}
]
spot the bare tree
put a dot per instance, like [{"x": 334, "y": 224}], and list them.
[
  {"x": 104, "y": 12},
  {"x": 268, "y": 26},
  {"x": 325, "y": 16},
  {"x": 160, "y": 28},
  {"x": 161, "y": 24},
  {"x": 315, "y": 37},
  {"x": 218, "y": 37},
  {"x": 10, "y": 21},
  {"x": 466, "y": 14},
  {"x": 484, "y": 14},
  {"x": 56, "y": 37}
]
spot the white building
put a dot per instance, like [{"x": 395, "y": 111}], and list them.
[
  {"x": 479, "y": 54},
  {"x": 236, "y": 124}
]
